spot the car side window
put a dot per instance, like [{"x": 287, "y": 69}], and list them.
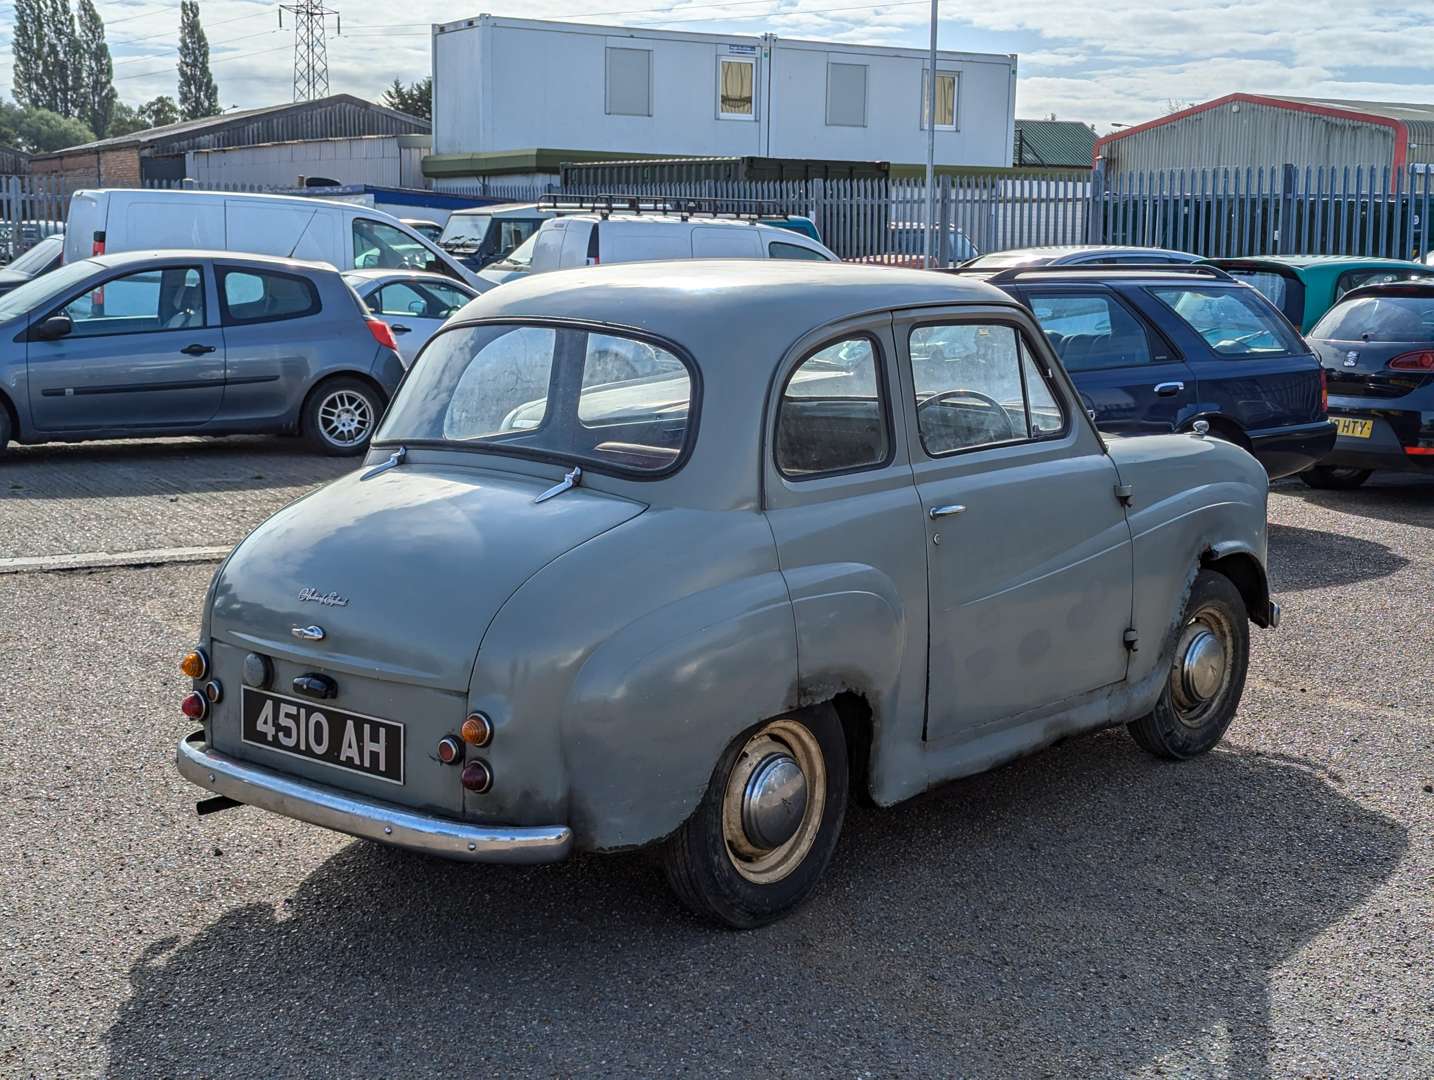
[
  {"x": 171, "y": 298},
  {"x": 400, "y": 298},
  {"x": 377, "y": 244},
  {"x": 778, "y": 250},
  {"x": 253, "y": 296},
  {"x": 833, "y": 415},
  {"x": 447, "y": 299},
  {"x": 1234, "y": 322},
  {"x": 979, "y": 384},
  {"x": 514, "y": 232},
  {"x": 1091, "y": 332}
]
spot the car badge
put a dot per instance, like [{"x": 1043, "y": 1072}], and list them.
[
  {"x": 329, "y": 599},
  {"x": 1351, "y": 358}
]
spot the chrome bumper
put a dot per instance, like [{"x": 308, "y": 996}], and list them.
[{"x": 353, "y": 814}]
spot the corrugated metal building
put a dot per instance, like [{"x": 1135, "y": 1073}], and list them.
[
  {"x": 159, "y": 153},
  {"x": 13, "y": 161},
  {"x": 382, "y": 160},
  {"x": 1053, "y": 144},
  {"x": 1257, "y": 130}
]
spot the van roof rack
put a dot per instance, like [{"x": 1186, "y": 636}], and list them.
[
  {"x": 614, "y": 203},
  {"x": 1010, "y": 274}
]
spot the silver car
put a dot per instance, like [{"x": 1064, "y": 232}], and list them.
[
  {"x": 146, "y": 344},
  {"x": 686, "y": 554},
  {"x": 414, "y": 303}
]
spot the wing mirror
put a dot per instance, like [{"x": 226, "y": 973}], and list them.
[{"x": 56, "y": 326}]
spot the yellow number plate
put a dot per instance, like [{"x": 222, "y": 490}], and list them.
[{"x": 1355, "y": 429}]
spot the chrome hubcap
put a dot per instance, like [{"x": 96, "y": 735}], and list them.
[
  {"x": 773, "y": 803},
  {"x": 345, "y": 418},
  {"x": 1200, "y": 675},
  {"x": 1203, "y": 667}
]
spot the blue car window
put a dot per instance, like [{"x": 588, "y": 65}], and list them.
[
  {"x": 1233, "y": 322},
  {"x": 171, "y": 298},
  {"x": 1092, "y": 332}
]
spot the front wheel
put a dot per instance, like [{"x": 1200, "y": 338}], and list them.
[
  {"x": 1332, "y": 478},
  {"x": 1207, "y": 673},
  {"x": 340, "y": 416},
  {"x": 763, "y": 834}
]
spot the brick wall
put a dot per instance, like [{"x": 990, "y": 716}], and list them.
[
  {"x": 120, "y": 168},
  {"x": 111, "y": 168}
]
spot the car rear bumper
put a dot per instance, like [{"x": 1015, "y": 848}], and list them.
[
  {"x": 1388, "y": 445},
  {"x": 372, "y": 819},
  {"x": 1288, "y": 450}
]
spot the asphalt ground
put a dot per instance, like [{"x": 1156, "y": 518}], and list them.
[{"x": 1267, "y": 910}]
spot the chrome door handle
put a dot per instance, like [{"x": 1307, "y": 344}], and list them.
[
  {"x": 1169, "y": 389},
  {"x": 308, "y": 633},
  {"x": 944, "y": 511}
]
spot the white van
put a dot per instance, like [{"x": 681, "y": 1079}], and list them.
[
  {"x": 345, "y": 235},
  {"x": 590, "y": 239}
]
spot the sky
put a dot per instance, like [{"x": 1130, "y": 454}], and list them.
[{"x": 1116, "y": 62}]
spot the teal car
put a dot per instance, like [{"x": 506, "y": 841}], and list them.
[{"x": 1304, "y": 287}]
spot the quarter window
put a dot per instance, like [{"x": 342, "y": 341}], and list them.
[
  {"x": 422, "y": 300},
  {"x": 778, "y": 250},
  {"x": 945, "y": 100},
  {"x": 1092, "y": 332},
  {"x": 167, "y": 299},
  {"x": 254, "y": 296},
  {"x": 979, "y": 384},
  {"x": 1233, "y": 322},
  {"x": 629, "y": 82},
  {"x": 846, "y": 95},
  {"x": 832, "y": 417},
  {"x": 736, "y": 78}
]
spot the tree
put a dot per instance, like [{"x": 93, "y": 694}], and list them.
[
  {"x": 61, "y": 56},
  {"x": 158, "y": 112},
  {"x": 41, "y": 131},
  {"x": 95, "y": 88},
  {"x": 28, "y": 47},
  {"x": 124, "y": 120},
  {"x": 45, "y": 48},
  {"x": 416, "y": 100},
  {"x": 198, "y": 96}
]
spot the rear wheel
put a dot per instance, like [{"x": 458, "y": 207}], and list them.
[
  {"x": 340, "y": 416},
  {"x": 1333, "y": 478},
  {"x": 1207, "y": 673},
  {"x": 765, "y": 830}
]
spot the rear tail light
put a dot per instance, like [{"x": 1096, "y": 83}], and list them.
[
  {"x": 98, "y": 247},
  {"x": 1419, "y": 360},
  {"x": 1323, "y": 390},
  {"x": 477, "y": 777},
  {"x": 450, "y": 750},
  {"x": 194, "y": 706},
  {"x": 382, "y": 333}
]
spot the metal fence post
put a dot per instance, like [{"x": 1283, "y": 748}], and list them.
[
  {"x": 943, "y": 238},
  {"x": 1285, "y": 227},
  {"x": 1095, "y": 206}
]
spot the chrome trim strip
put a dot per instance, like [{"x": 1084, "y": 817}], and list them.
[{"x": 372, "y": 819}]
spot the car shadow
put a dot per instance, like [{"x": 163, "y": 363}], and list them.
[
  {"x": 1084, "y": 911},
  {"x": 1399, "y": 498},
  {"x": 1301, "y": 559},
  {"x": 170, "y": 466}
]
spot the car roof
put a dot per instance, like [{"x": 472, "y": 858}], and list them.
[
  {"x": 766, "y": 303},
  {"x": 1305, "y": 262},
  {"x": 494, "y": 208},
  {"x": 1057, "y": 250},
  {"x": 131, "y": 258},
  {"x": 383, "y": 273},
  {"x": 1098, "y": 275}
]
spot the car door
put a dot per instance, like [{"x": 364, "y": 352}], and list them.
[
  {"x": 414, "y": 310},
  {"x": 1126, "y": 372},
  {"x": 276, "y": 336},
  {"x": 144, "y": 351},
  {"x": 1028, "y": 551}
]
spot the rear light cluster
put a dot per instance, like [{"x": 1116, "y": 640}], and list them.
[
  {"x": 382, "y": 333},
  {"x": 1419, "y": 360},
  {"x": 477, "y": 732},
  {"x": 1323, "y": 391},
  {"x": 195, "y": 704}
]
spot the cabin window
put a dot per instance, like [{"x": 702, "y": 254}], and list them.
[
  {"x": 629, "y": 82},
  {"x": 846, "y": 95},
  {"x": 945, "y": 100},
  {"x": 736, "y": 80}
]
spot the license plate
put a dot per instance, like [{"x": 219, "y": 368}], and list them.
[
  {"x": 343, "y": 740},
  {"x": 1355, "y": 429}
]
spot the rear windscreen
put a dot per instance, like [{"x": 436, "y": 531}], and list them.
[
  {"x": 1274, "y": 286},
  {"x": 1379, "y": 318}
]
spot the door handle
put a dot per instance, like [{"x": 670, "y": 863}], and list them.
[
  {"x": 937, "y": 512},
  {"x": 198, "y": 350},
  {"x": 1169, "y": 389},
  {"x": 398, "y": 328}
]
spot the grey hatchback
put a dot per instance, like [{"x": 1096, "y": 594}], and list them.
[{"x": 148, "y": 344}]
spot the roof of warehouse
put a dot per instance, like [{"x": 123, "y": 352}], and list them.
[
  {"x": 1394, "y": 110},
  {"x": 207, "y": 124},
  {"x": 1054, "y": 143}
]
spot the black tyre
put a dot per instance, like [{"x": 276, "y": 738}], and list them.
[
  {"x": 1332, "y": 478},
  {"x": 763, "y": 834},
  {"x": 340, "y": 416},
  {"x": 6, "y": 432},
  {"x": 1207, "y": 673}
]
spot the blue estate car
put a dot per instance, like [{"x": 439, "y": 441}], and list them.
[{"x": 1154, "y": 349}]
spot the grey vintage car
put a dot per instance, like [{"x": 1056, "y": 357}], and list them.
[{"x": 688, "y": 554}]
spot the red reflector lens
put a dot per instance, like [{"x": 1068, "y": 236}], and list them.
[
  {"x": 194, "y": 706},
  {"x": 477, "y": 777},
  {"x": 1423, "y": 360},
  {"x": 449, "y": 749},
  {"x": 1419, "y": 449},
  {"x": 382, "y": 333}
]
